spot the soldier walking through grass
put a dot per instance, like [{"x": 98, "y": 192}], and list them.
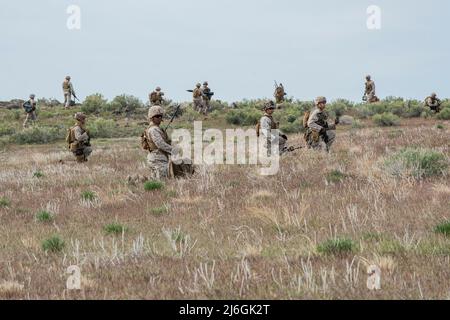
[
  {"x": 318, "y": 129},
  {"x": 369, "y": 92},
  {"x": 68, "y": 92},
  {"x": 433, "y": 103},
  {"x": 30, "y": 110},
  {"x": 78, "y": 139},
  {"x": 206, "y": 98},
  {"x": 156, "y": 97},
  {"x": 279, "y": 94},
  {"x": 197, "y": 98}
]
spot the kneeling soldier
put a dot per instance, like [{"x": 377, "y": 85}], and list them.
[
  {"x": 266, "y": 125},
  {"x": 318, "y": 129},
  {"x": 78, "y": 138},
  {"x": 433, "y": 103}
]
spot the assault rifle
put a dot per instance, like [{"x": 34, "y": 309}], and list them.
[{"x": 173, "y": 117}]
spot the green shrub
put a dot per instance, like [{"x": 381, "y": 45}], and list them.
[
  {"x": 44, "y": 216},
  {"x": 444, "y": 114},
  {"x": 4, "y": 131},
  {"x": 243, "y": 117},
  {"x": 102, "y": 128},
  {"x": 443, "y": 228},
  {"x": 88, "y": 195},
  {"x": 440, "y": 127},
  {"x": 418, "y": 163},
  {"x": 335, "y": 176},
  {"x": 153, "y": 185},
  {"x": 124, "y": 103},
  {"x": 294, "y": 127},
  {"x": 94, "y": 103},
  {"x": 386, "y": 119},
  {"x": 4, "y": 202},
  {"x": 37, "y": 135},
  {"x": 114, "y": 228},
  {"x": 54, "y": 244},
  {"x": 336, "y": 246}
]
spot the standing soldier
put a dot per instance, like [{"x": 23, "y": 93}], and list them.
[
  {"x": 279, "y": 93},
  {"x": 30, "y": 109},
  {"x": 197, "y": 97},
  {"x": 433, "y": 103},
  {"x": 318, "y": 129},
  {"x": 78, "y": 138},
  {"x": 206, "y": 96},
  {"x": 156, "y": 97},
  {"x": 266, "y": 125},
  {"x": 369, "y": 93},
  {"x": 156, "y": 141},
  {"x": 68, "y": 92}
]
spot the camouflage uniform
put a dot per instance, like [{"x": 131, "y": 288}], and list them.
[
  {"x": 279, "y": 94},
  {"x": 160, "y": 148},
  {"x": 156, "y": 97},
  {"x": 318, "y": 128},
  {"x": 197, "y": 98},
  {"x": 31, "y": 116},
  {"x": 267, "y": 124},
  {"x": 370, "y": 91},
  {"x": 79, "y": 139},
  {"x": 206, "y": 98},
  {"x": 68, "y": 91},
  {"x": 433, "y": 103}
]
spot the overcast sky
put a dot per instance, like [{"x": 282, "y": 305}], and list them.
[{"x": 320, "y": 47}]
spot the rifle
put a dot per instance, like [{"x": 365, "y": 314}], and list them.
[
  {"x": 173, "y": 117},
  {"x": 76, "y": 97},
  {"x": 191, "y": 91},
  {"x": 292, "y": 149}
]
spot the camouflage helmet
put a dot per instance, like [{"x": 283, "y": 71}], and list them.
[
  {"x": 368, "y": 77},
  {"x": 319, "y": 100},
  {"x": 158, "y": 89},
  {"x": 205, "y": 83},
  {"x": 32, "y": 96},
  {"x": 198, "y": 85},
  {"x": 269, "y": 105},
  {"x": 155, "y": 111},
  {"x": 434, "y": 95},
  {"x": 68, "y": 78},
  {"x": 80, "y": 116}
]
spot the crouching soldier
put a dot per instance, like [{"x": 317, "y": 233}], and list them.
[
  {"x": 30, "y": 109},
  {"x": 156, "y": 141},
  {"x": 433, "y": 103},
  {"x": 266, "y": 125},
  {"x": 78, "y": 139},
  {"x": 318, "y": 129}
]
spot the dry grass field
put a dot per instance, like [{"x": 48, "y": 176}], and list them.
[{"x": 309, "y": 232}]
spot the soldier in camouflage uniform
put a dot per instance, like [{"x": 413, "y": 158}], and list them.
[
  {"x": 30, "y": 110},
  {"x": 369, "y": 93},
  {"x": 266, "y": 125},
  {"x": 159, "y": 145},
  {"x": 279, "y": 94},
  {"x": 433, "y": 103},
  {"x": 197, "y": 95},
  {"x": 156, "y": 97},
  {"x": 68, "y": 92},
  {"x": 79, "y": 140},
  {"x": 206, "y": 98},
  {"x": 319, "y": 130}
]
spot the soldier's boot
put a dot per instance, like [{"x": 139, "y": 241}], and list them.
[{"x": 80, "y": 159}]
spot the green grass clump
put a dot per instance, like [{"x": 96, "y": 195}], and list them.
[
  {"x": 386, "y": 119},
  {"x": 4, "y": 202},
  {"x": 38, "y": 174},
  {"x": 54, "y": 244},
  {"x": 37, "y": 135},
  {"x": 416, "y": 162},
  {"x": 115, "y": 229},
  {"x": 336, "y": 246},
  {"x": 440, "y": 126},
  {"x": 159, "y": 211},
  {"x": 443, "y": 228},
  {"x": 335, "y": 176},
  {"x": 88, "y": 195},
  {"x": 153, "y": 185},
  {"x": 44, "y": 216},
  {"x": 444, "y": 114}
]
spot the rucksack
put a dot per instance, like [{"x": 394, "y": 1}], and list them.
[
  {"x": 28, "y": 106},
  {"x": 306, "y": 119},
  {"x": 70, "y": 137},
  {"x": 144, "y": 141},
  {"x": 153, "y": 97}
]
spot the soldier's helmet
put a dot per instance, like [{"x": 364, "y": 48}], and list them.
[
  {"x": 32, "y": 96},
  {"x": 433, "y": 95},
  {"x": 155, "y": 111},
  {"x": 198, "y": 85},
  {"x": 80, "y": 116},
  {"x": 205, "y": 83},
  {"x": 269, "y": 105},
  {"x": 158, "y": 89},
  {"x": 68, "y": 78},
  {"x": 320, "y": 100},
  {"x": 368, "y": 77}
]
